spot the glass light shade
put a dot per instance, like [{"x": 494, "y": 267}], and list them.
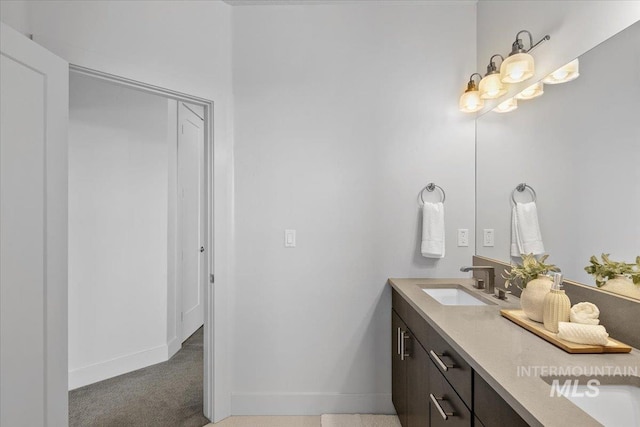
[
  {"x": 517, "y": 68},
  {"x": 564, "y": 74},
  {"x": 470, "y": 102},
  {"x": 491, "y": 87},
  {"x": 533, "y": 91},
  {"x": 506, "y": 106}
]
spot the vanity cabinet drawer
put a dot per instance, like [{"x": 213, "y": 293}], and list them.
[
  {"x": 446, "y": 409},
  {"x": 452, "y": 366},
  {"x": 490, "y": 408}
]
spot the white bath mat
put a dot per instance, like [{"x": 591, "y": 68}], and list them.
[{"x": 357, "y": 420}]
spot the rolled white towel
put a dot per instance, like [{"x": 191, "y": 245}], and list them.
[
  {"x": 585, "y": 313},
  {"x": 583, "y": 334}
]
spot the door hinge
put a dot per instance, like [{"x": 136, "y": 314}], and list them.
[{"x": 211, "y": 278}]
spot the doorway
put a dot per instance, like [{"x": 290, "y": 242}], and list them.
[
  {"x": 185, "y": 307},
  {"x": 36, "y": 370}
]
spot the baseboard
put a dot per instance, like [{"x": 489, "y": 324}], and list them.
[
  {"x": 173, "y": 347},
  {"x": 118, "y": 366},
  {"x": 310, "y": 403}
]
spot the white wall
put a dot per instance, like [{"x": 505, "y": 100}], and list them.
[
  {"x": 180, "y": 45},
  {"x": 342, "y": 114},
  {"x": 118, "y": 190},
  {"x": 574, "y": 27},
  {"x": 15, "y": 14}
]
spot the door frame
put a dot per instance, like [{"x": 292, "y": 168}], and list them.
[{"x": 209, "y": 303}]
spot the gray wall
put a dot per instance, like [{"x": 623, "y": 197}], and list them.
[{"x": 342, "y": 114}]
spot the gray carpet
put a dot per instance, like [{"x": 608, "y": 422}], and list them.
[{"x": 167, "y": 394}]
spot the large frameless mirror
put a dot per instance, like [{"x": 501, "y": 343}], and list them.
[{"x": 578, "y": 147}]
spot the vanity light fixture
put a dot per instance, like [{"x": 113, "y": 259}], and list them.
[
  {"x": 490, "y": 86},
  {"x": 519, "y": 65},
  {"x": 533, "y": 91},
  {"x": 564, "y": 74},
  {"x": 470, "y": 101},
  {"x": 506, "y": 106}
]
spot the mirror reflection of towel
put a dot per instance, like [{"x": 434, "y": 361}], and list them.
[
  {"x": 432, "y": 230},
  {"x": 525, "y": 230}
]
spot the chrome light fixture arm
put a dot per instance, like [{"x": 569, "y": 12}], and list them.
[
  {"x": 472, "y": 85},
  {"x": 491, "y": 68},
  {"x": 518, "y": 46}
]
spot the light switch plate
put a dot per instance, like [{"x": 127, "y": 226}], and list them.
[
  {"x": 289, "y": 238},
  {"x": 463, "y": 237},
  {"x": 488, "y": 237}
]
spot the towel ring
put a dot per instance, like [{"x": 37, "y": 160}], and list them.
[
  {"x": 520, "y": 188},
  {"x": 430, "y": 187}
]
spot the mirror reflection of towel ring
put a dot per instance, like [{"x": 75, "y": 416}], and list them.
[
  {"x": 520, "y": 188},
  {"x": 431, "y": 187}
]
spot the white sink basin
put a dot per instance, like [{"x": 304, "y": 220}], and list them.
[
  {"x": 453, "y": 296},
  {"x": 614, "y": 405}
]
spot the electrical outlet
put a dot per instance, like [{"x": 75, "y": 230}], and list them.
[
  {"x": 489, "y": 237},
  {"x": 463, "y": 237},
  {"x": 289, "y": 238}
]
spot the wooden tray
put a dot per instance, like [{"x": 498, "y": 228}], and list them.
[{"x": 518, "y": 317}]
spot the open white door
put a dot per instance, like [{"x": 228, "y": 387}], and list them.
[
  {"x": 192, "y": 263},
  {"x": 34, "y": 91}
]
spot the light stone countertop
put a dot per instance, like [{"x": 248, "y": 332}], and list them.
[{"x": 498, "y": 350}]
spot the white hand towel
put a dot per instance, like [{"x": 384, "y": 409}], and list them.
[
  {"x": 528, "y": 236},
  {"x": 432, "y": 230},
  {"x": 583, "y": 334},
  {"x": 585, "y": 313},
  {"x": 515, "y": 245}
]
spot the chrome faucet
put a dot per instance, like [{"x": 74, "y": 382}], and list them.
[{"x": 491, "y": 277}]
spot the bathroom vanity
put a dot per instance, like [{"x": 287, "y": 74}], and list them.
[{"x": 465, "y": 365}]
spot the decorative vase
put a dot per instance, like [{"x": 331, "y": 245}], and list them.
[
  {"x": 532, "y": 298},
  {"x": 622, "y": 285}
]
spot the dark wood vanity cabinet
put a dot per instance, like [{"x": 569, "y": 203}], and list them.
[
  {"x": 490, "y": 408},
  {"x": 398, "y": 368},
  {"x": 432, "y": 385},
  {"x": 410, "y": 376},
  {"x": 418, "y": 386}
]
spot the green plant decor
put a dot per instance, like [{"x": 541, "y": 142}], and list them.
[
  {"x": 608, "y": 269},
  {"x": 530, "y": 268}
]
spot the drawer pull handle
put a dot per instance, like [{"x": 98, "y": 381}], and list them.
[
  {"x": 403, "y": 349},
  {"x": 436, "y": 358},
  {"x": 398, "y": 339},
  {"x": 436, "y": 401}
]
